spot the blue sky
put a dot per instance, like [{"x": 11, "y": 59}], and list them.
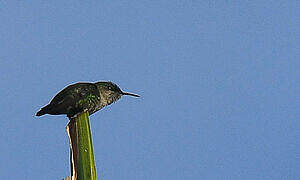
[{"x": 219, "y": 82}]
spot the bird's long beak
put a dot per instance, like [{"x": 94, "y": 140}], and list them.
[{"x": 130, "y": 94}]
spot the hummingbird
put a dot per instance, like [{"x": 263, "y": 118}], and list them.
[{"x": 83, "y": 96}]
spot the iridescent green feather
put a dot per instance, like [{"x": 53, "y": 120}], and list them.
[{"x": 88, "y": 100}]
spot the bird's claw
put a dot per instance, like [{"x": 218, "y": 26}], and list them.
[{"x": 76, "y": 115}]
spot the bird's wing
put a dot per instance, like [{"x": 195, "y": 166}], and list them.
[{"x": 74, "y": 93}]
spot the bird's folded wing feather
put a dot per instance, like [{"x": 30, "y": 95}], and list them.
[{"x": 74, "y": 93}]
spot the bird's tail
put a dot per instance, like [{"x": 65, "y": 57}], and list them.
[{"x": 43, "y": 111}]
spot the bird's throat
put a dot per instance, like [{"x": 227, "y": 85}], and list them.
[{"x": 108, "y": 98}]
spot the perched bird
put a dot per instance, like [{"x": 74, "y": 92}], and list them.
[{"x": 78, "y": 97}]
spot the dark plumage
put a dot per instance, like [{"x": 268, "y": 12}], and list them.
[{"x": 78, "y": 97}]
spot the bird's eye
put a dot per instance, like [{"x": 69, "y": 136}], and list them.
[{"x": 109, "y": 87}]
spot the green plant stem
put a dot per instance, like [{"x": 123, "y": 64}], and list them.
[{"x": 82, "y": 155}]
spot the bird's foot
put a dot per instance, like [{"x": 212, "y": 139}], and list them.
[{"x": 76, "y": 115}]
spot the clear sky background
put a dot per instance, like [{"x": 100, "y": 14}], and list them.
[{"x": 219, "y": 82}]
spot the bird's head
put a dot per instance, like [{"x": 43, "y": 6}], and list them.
[{"x": 110, "y": 92}]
